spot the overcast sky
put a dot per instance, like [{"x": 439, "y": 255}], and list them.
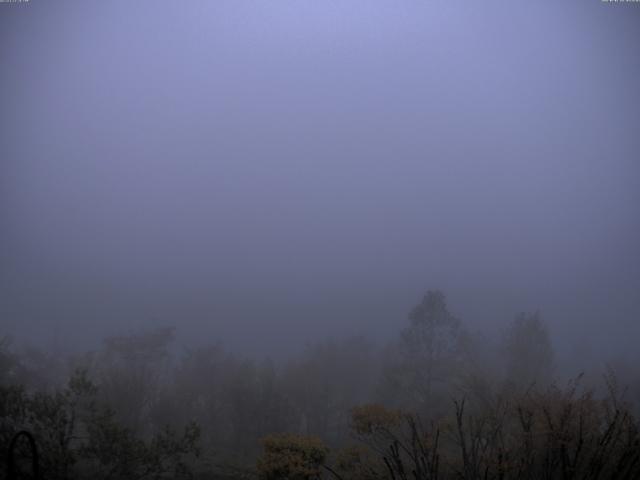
[{"x": 265, "y": 173}]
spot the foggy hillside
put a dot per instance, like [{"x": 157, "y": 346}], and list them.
[{"x": 225, "y": 215}]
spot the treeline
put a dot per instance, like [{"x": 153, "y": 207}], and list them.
[{"x": 436, "y": 402}]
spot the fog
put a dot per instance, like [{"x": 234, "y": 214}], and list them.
[
  {"x": 267, "y": 173},
  {"x": 274, "y": 177}
]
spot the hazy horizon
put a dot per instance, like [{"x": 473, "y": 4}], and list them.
[{"x": 266, "y": 174}]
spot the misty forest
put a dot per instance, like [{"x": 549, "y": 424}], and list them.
[
  {"x": 437, "y": 401},
  {"x": 305, "y": 240}
]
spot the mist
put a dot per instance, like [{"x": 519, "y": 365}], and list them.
[{"x": 270, "y": 175}]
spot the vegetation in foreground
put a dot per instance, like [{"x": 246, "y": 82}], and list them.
[{"x": 437, "y": 403}]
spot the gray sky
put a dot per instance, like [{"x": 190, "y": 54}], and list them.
[{"x": 253, "y": 171}]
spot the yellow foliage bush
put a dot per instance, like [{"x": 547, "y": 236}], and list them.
[
  {"x": 372, "y": 418},
  {"x": 288, "y": 456}
]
